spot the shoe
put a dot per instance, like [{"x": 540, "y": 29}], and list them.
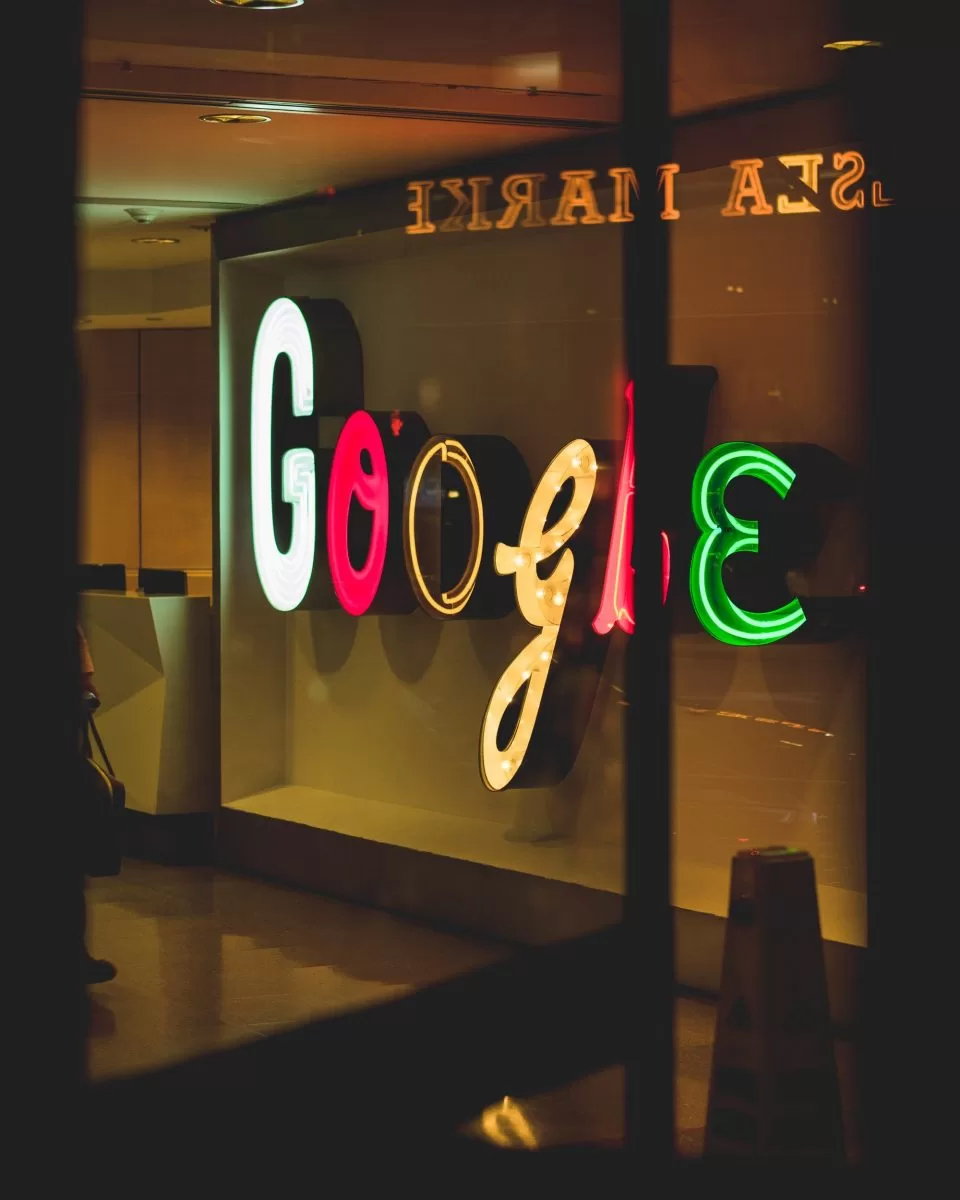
[{"x": 100, "y": 971}]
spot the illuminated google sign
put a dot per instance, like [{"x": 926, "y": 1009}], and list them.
[{"x": 387, "y": 478}]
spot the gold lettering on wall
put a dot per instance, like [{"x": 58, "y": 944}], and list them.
[
  {"x": 665, "y": 174},
  {"x": 522, "y": 193},
  {"x": 578, "y": 194},
  {"x": 454, "y": 223},
  {"x": 624, "y": 182},
  {"x": 478, "y": 194},
  {"x": 420, "y": 206},
  {"x": 853, "y": 160},
  {"x": 877, "y": 198},
  {"x": 809, "y": 165},
  {"x": 746, "y": 185}
]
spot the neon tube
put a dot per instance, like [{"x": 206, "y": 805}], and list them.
[
  {"x": 284, "y": 575},
  {"x": 356, "y": 588},
  {"x": 616, "y": 601},
  {"x": 449, "y": 604},
  {"x": 723, "y": 534}
]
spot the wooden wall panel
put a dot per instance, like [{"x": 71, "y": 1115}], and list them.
[
  {"x": 177, "y": 394},
  {"x": 109, "y": 502}
]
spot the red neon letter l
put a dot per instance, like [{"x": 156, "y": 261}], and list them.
[{"x": 616, "y": 603}]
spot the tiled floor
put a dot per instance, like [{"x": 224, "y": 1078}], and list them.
[{"x": 207, "y": 960}]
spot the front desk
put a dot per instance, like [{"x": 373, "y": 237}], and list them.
[{"x": 154, "y": 669}]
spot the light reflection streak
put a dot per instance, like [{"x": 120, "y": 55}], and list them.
[{"x": 505, "y": 1125}]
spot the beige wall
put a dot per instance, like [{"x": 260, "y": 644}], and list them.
[
  {"x": 109, "y": 473},
  {"x": 146, "y": 458},
  {"x": 105, "y": 293},
  {"x": 177, "y": 387}
]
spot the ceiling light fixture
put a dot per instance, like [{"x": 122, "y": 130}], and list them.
[
  {"x": 265, "y": 5},
  {"x": 279, "y": 106},
  {"x": 155, "y": 241},
  {"x": 855, "y": 44},
  {"x": 229, "y": 118}
]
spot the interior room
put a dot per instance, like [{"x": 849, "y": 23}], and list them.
[{"x": 331, "y": 803}]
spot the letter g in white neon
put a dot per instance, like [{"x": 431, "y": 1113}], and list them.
[{"x": 284, "y": 575}]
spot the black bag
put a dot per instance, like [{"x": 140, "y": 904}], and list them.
[{"x": 104, "y": 798}]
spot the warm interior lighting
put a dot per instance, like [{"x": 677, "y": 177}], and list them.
[
  {"x": 853, "y": 44},
  {"x": 155, "y": 241},
  {"x": 264, "y": 5},
  {"x": 235, "y": 118}
]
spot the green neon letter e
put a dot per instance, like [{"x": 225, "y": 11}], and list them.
[{"x": 723, "y": 534}]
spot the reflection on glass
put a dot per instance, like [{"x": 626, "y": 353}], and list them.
[{"x": 505, "y": 1125}]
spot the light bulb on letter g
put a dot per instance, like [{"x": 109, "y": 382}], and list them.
[{"x": 541, "y": 601}]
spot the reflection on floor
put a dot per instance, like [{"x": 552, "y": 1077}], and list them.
[
  {"x": 207, "y": 960},
  {"x": 591, "y": 1110}
]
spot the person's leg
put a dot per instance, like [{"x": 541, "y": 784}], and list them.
[
  {"x": 97, "y": 970},
  {"x": 100, "y": 970}
]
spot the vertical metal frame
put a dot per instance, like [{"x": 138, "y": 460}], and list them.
[{"x": 645, "y": 50}]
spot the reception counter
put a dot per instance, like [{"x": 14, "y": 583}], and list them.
[{"x": 153, "y": 660}]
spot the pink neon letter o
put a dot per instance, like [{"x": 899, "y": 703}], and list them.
[{"x": 356, "y": 588}]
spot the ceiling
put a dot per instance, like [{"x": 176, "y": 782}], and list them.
[
  {"x": 163, "y": 158},
  {"x": 456, "y": 37},
  {"x": 390, "y": 88}
]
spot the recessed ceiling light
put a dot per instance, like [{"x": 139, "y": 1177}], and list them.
[
  {"x": 155, "y": 241},
  {"x": 280, "y": 106},
  {"x": 235, "y": 118},
  {"x": 850, "y": 45},
  {"x": 268, "y": 5}
]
